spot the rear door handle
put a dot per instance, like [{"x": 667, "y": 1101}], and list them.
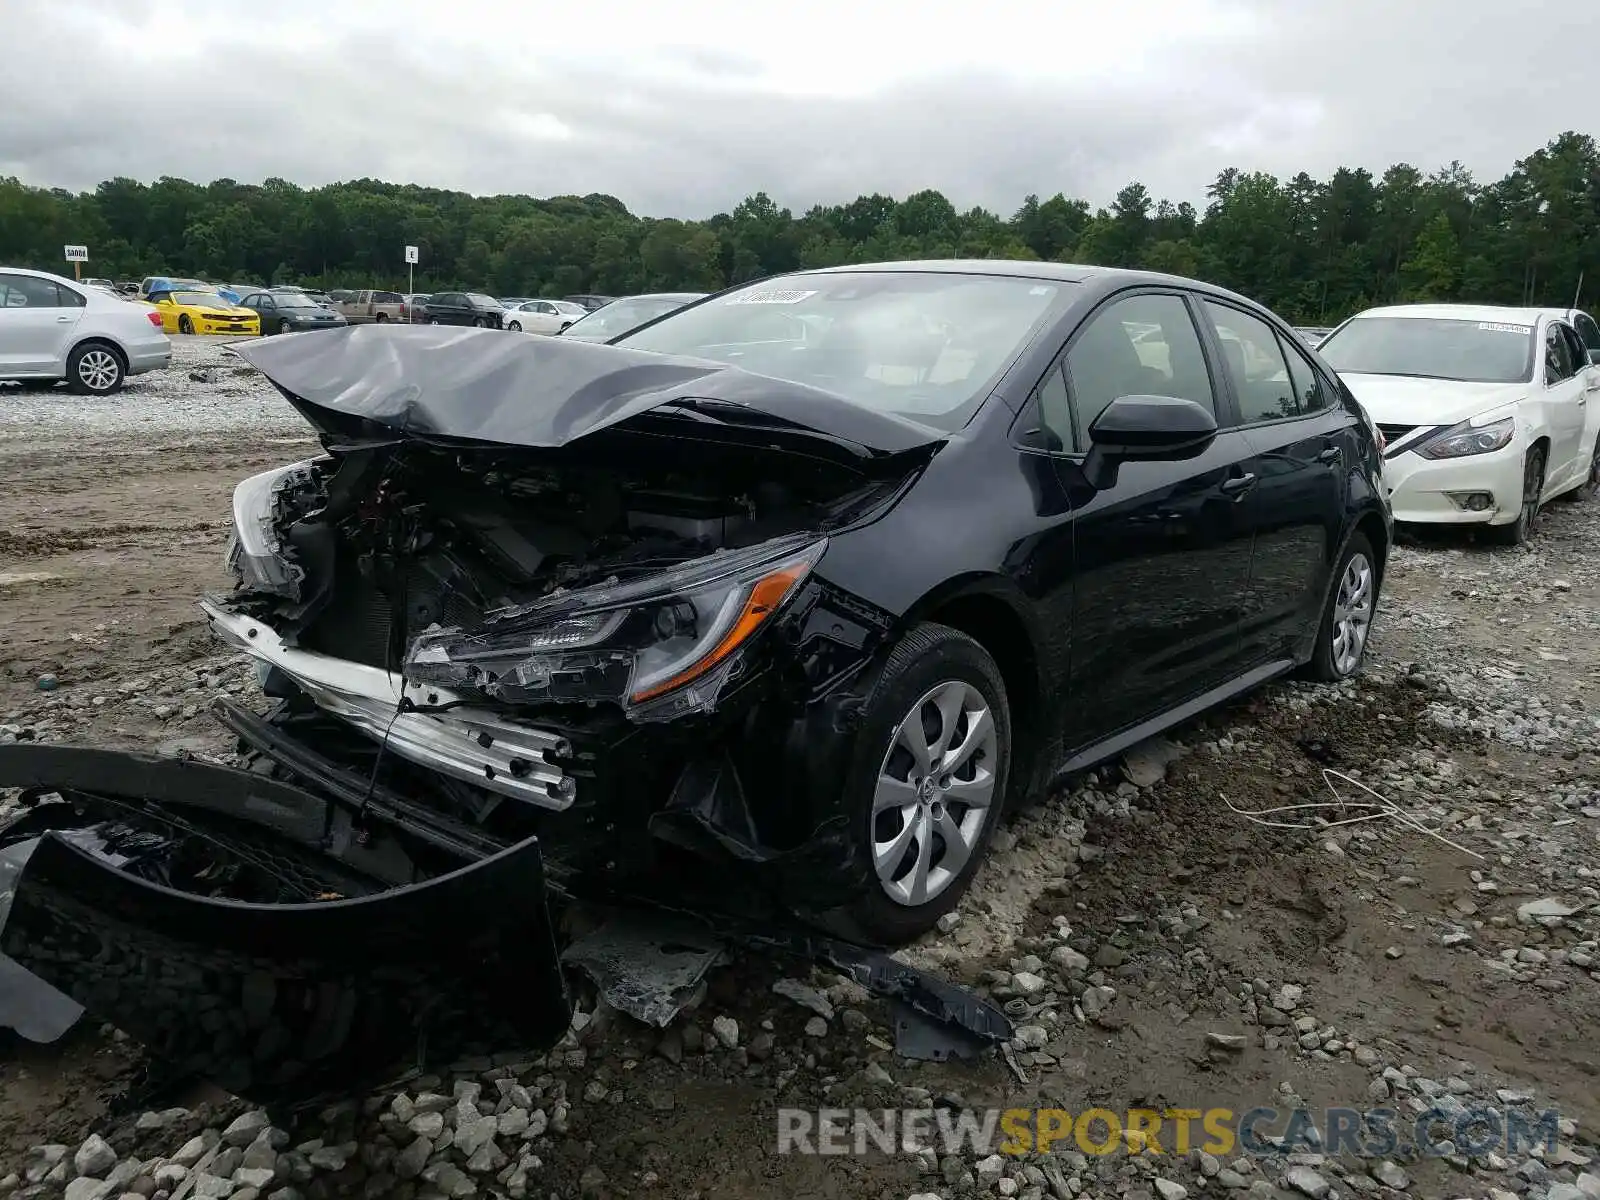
[
  {"x": 1238, "y": 485},
  {"x": 1331, "y": 454},
  {"x": 63, "y": 320}
]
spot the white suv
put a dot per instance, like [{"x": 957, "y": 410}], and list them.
[{"x": 53, "y": 329}]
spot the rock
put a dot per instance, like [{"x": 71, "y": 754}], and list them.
[
  {"x": 592, "y": 1182},
  {"x": 253, "y": 1177},
  {"x": 761, "y": 1046},
  {"x": 1390, "y": 1175},
  {"x": 95, "y": 1156},
  {"x": 1227, "y": 1041},
  {"x": 85, "y": 1188},
  {"x": 1589, "y": 1185},
  {"x": 191, "y": 1152},
  {"x": 925, "y": 1195},
  {"x": 1507, "y": 1096},
  {"x": 212, "y": 1186},
  {"x": 484, "y": 1158},
  {"x": 1095, "y": 1000},
  {"x": 512, "y": 1123},
  {"x": 1069, "y": 960},
  {"x": 1546, "y": 911},
  {"x": 670, "y": 1046},
  {"x": 409, "y": 1162},
  {"x": 1288, "y": 997},
  {"x": 1564, "y": 1191},
  {"x": 430, "y": 1102},
  {"x": 245, "y": 1128},
  {"x": 1456, "y": 937},
  {"x": 1028, "y": 983},
  {"x": 538, "y": 1122},
  {"x": 330, "y": 1158},
  {"x": 1229, "y": 1178},
  {"x": 726, "y": 1030},
  {"x": 427, "y": 1124},
  {"x": 402, "y": 1108},
  {"x": 169, "y": 1175},
  {"x": 1307, "y": 1182},
  {"x": 451, "y": 1180},
  {"x": 47, "y": 683},
  {"x": 804, "y": 995},
  {"x": 989, "y": 1169},
  {"x": 473, "y": 1134},
  {"x": 816, "y": 1027},
  {"x": 1145, "y": 765},
  {"x": 260, "y": 1155},
  {"x": 1170, "y": 1190}
]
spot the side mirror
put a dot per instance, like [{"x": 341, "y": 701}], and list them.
[{"x": 1145, "y": 429}]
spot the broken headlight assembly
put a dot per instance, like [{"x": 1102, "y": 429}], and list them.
[
  {"x": 254, "y": 557},
  {"x": 660, "y": 646}
]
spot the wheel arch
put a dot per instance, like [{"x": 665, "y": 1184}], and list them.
[
  {"x": 99, "y": 339},
  {"x": 989, "y": 611}
]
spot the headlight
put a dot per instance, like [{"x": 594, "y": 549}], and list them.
[
  {"x": 660, "y": 646},
  {"x": 253, "y": 550},
  {"x": 1461, "y": 440}
]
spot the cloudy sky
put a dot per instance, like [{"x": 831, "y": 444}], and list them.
[{"x": 682, "y": 108}]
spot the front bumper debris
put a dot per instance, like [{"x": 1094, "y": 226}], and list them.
[
  {"x": 245, "y": 932},
  {"x": 429, "y": 726}
]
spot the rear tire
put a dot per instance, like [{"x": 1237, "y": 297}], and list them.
[
  {"x": 432, "y": 321},
  {"x": 1521, "y": 530},
  {"x": 285, "y": 327},
  {"x": 381, "y": 318},
  {"x": 94, "y": 369},
  {"x": 1347, "y": 614},
  {"x": 942, "y": 687},
  {"x": 477, "y": 322},
  {"x": 1590, "y": 487}
]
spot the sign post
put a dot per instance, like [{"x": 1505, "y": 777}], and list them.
[
  {"x": 77, "y": 256},
  {"x": 411, "y": 282}
]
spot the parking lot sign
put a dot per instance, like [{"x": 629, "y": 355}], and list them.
[
  {"x": 76, "y": 255},
  {"x": 411, "y": 254}
]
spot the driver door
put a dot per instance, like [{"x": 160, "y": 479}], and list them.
[{"x": 1564, "y": 404}]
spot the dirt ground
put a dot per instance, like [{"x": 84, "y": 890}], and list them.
[{"x": 1477, "y": 715}]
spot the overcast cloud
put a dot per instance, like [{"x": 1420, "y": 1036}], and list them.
[{"x": 685, "y": 107}]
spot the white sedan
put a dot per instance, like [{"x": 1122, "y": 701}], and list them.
[
  {"x": 54, "y": 329},
  {"x": 543, "y": 316},
  {"x": 1488, "y": 412}
]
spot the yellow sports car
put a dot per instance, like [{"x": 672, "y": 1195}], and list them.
[{"x": 203, "y": 312}]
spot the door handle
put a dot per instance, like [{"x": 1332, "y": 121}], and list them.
[
  {"x": 63, "y": 320},
  {"x": 1331, "y": 454},
  {"x": 1238, "y": 485}
]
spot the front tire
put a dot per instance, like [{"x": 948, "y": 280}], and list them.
[
  {"x": 926, "y": 785},
  {"x": 285, "y": 327},
  {"x": 94, "y": 369},
  {"x": 1347, "y": 616},
  {"x": 515, "y": 327},
  {"x": 185, "y": 325},
  {"x": 477, "y": 322},
  {"x": 432, "y": 321},
  {"x": 1521, "y": 530}
]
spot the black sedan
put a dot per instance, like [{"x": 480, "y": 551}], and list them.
[
  {"x": 290, "y": 312},
  {"x": 767, "y": 611},
  {"x": 463, "y": 308}
]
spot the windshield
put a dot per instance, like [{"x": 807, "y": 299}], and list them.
[
  {"x": 622, "y": 315},
  {"x": 478, "y": 298},
  {"x": 293, "y": 300},
  {"x": 208, "y": 299},
  {"x": 568, "y": 309},
  {"x": 924, "y": 344},
  {"x": 1433, "y": 348}
]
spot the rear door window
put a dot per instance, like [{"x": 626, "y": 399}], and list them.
[
  {"x": 28, "y": 291},
  {"x": 1254, "y": 361},
  {"x": 1588, "y": 333},
  {"x": 1558, "y": 364}
]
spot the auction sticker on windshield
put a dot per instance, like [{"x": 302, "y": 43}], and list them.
[
  {"x": 1495, "y": 327},
  {"x": 770, "y": 296}
]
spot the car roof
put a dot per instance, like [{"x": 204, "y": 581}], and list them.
[
  {"x": 42, "y": 275},
  {"x": 1099, "y": 280},
  {"x": 1465, "y": 312}
]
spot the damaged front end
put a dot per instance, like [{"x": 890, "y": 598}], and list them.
[{"x": 527, "y": 636}]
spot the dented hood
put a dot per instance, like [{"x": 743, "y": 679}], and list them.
[{"x": 524, "y": 390}]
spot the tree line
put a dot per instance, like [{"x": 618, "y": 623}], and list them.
[{"x": 1313, "y": 250}]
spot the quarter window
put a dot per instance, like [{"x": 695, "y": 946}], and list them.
[
  {"x": 1575, "y": 348},
  {"x": 1141, "y": 346},
  {"x": 1255, "y": 364},
  {"x": 1055, "y": 410},
  {"x": 1310, "y": 394}
]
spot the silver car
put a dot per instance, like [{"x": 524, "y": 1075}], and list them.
[
  {"x": 544, "y": 316},
  {"x": 54, "y": 329}
]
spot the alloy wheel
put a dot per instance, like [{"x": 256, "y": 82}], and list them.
[
  {"x": 1352, "y": 614},
  {"x": 98, "y": 370},
  {"x": 1532, "y": 491},
  {"x": 934, "y": 793}
]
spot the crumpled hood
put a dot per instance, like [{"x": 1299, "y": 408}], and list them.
[
  {"x": 521, "y": 390},
  {"x": 1402, "y": 400}
]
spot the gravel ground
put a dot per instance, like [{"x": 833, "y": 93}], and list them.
[{"x": 1167, "y": 951}]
